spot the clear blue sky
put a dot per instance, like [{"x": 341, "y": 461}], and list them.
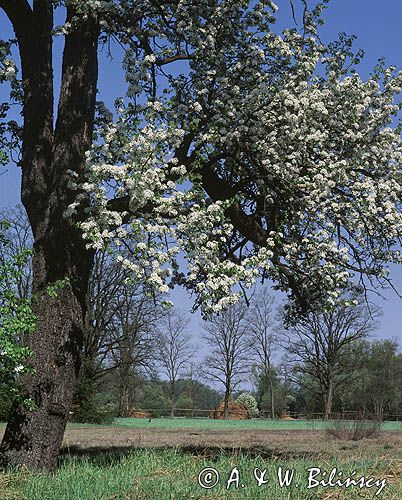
[{"x": 377, "y": 25}]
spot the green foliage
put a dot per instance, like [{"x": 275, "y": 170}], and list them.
[
  {"x": 16, "y": 320},
  {"x": 183, "y": 401},
  {"x": 53, "y": 288},
  {"x": 153, "y": 398},
  {"x": 249, "y": 401},
  {"x": 88, "y": 406}
]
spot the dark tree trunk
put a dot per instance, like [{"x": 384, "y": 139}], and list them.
[
  {"x": 271, "y": 387},
  {"x": 328, "y": 397},
  {"x": 226, "y": 402},
  {"x": 124, "y": 404},
  {"x": 34, "y": 437},
  {"x": 173, "y": 395},
  {"x": 61, "y": 264}
]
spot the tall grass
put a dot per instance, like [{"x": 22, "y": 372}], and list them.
[{"x": 170, "y": 474}]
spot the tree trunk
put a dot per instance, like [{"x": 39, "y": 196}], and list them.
[
  {"x": 124, "y": 401},
  {"x": 173, "y": 396},
  {"x": 328, "y": 399},
  {"x": 226, "y": 402},
  {"x": 61, "y": 263},
  {"x": 34, "y": 437},
  {"x": 271, "y": 386},
  {"x": 268, "y": 376}
]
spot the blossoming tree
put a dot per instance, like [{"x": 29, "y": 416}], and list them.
[{"x": 255, "y": 154}]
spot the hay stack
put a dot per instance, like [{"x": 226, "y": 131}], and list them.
[
  {"x": 138, "y": 413},
  {"x": 236, "y": 411},
  {"x": 286, "y": 416}
]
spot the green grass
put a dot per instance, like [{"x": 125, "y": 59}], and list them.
[
  {"x": 209, "y": 424},
  {"x": 147, "y": 474},
  {"x": 169, "y": 474},
  {"x": 255, "y": 424}
]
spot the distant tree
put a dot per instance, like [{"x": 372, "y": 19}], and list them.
[
  {"x": 204, "y": 397},
  {"x": 316, "y": 344},
  {"x": 117, "y": 325},
  {"x": 377, "y": 380},
  {"x": 18, "y": 234},
  {"x": 132, "y": 337},
  {"x": 263, "y": 338},
  {"x": 175, "y": 351},
  {"x": 153, "y": 398},
  {"x": 229, "y": 346}
]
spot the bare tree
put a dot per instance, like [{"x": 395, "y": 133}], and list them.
[
  {"x": 229, "y": 358},
  {"x": 132, "y": 340},
  {"x": 105, "y": 290},
  {"x": 263, "y": 337},
  {"x": 175, "y": 351},
  {"x": 318, "y": 344},
  {"x": 18, "y": 234}
]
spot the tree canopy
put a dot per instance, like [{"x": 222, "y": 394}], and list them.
[{"x": 265, "y": 156}]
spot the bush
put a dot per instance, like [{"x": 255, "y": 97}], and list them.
[
  {"x": 87, "y": 407},
  {"x": 354, "y": 430},
  {"x": 249, "y": 401},
  {"x": 154, "y": 399}
]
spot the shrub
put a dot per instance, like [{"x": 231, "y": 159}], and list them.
[
  {"x": 87, "y": 405},
  {"x": 354, "y": 430},
  {"x": 249, "y": 401}
]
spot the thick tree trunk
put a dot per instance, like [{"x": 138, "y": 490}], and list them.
[
  {"x": 61, "y": 264},
  {"x": 34, "y": 437}
]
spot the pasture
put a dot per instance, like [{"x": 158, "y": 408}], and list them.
[{"x": 162, "y": 458}]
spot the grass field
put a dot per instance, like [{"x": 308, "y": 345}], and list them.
[
  {"x": 170, "y": 474},
  {"x": 161, "y": 459},
  {"x": 262, "y": 424},
  {"x": 207, "y": 423}
]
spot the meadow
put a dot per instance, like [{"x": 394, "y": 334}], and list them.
[
  {"x": 254, "y": 423},
  {"x": 162, "y": 459}
]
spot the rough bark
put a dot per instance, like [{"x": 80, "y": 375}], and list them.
[{"x": 33, "y": 438}]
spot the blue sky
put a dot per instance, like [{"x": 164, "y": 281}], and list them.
[{"x": 377, "y": 26}]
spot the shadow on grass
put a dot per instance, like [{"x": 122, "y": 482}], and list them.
[{"x": 108, "y": 455}]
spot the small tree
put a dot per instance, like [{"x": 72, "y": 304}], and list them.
[
  {"x": 317, "y": 344},
  {"x": 263, "y": 338},
  {"x": 229, "y": 358},
  {"x": 175, "y": 351}
]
